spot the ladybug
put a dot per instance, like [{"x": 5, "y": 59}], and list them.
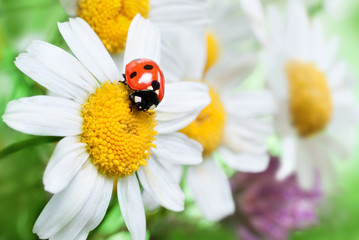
[{"x": 146, "y": 79}]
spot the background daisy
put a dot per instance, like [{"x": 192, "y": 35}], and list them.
[{"x": 318, "y": 114}]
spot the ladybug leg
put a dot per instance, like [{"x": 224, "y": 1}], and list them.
[
  {"x": 131, "y": 105},
  {"x": 124, "y": 77}
]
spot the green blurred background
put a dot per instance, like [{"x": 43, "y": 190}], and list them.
[{"x": 21, "y": 191}]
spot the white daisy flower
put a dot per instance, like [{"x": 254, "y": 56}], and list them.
[
  {"x": 110, "y": 19},
  {"x": 230, "y": 125},
  {"x": 105, "y": 141},
  {"x": 318, "y": 113}
]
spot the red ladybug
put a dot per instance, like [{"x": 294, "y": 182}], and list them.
[{"x": 146, "y": 78}]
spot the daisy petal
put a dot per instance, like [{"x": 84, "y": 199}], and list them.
[
  {"x": 192, "y": 56},
  {"x": 241, "y": 137},
  {"x": 56, "y": 70},
  {"x": 211, "y": 190},
  {"x": 143, "y": 41},
  {"x": 182, "y": 103},
  {"x": 65, "y": 205},
  {"x": 254, "y": 10},
  {"x": 289, "y": 155},
  {"x": 305, "y": 170},
  {"x": 100, "y": 211},
  {"x": 156, "y": 180},
  {"x": 245, "y": 162},
  {"x": 178, "y": 148},
  {"x": 130, "y": 200},
  {"x": 88, "y": 48},
  {"x": 67, "y": 159},
  {"x": 92, "y": 211},
  {"x": 276, "y": 26},
  {"x": 174, "y": 69},
  {"x": 70, "y": 6},
  {"x": 250, "y": 103},
  {"x": 149, "y": 202},
  {"x": 44, "y": 116},
  {"x": 297, "y": 31},
  {"x": 230, "y": 71},
  {"x": 167, "y": 13},
  {"x": 337, "y": 74},
  {"x": 326, "y": 170}
]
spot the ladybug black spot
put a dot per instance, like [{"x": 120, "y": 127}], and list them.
[
  {"x": 148, "y": 67},
  {"x": 155, "y": 85},
  {"x": 133, "y": 74}
]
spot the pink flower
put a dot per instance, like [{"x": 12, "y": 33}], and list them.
[{"x": 271, "y": 209}]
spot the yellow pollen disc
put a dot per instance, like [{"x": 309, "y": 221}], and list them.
[
  {"x": 213, "y": 50},
  {"x": 310, "y": 101},
  {"x": 110, "y": 19},
  {"x": 207, "y": 128},
  {"x": 118, "y": 139}
]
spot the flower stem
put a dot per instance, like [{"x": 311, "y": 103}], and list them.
[{"x": 25, "y": 144}]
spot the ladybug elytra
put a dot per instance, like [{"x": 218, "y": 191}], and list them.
[{"x": 146, "y": 79}]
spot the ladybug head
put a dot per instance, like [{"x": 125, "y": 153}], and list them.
[{"x": 144, "y": 100}]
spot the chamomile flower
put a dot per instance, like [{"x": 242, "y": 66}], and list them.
[
  {"x": 230, "y": 125},
  {"x": 111, "y": 19},
  {"x": 106, "y": 141},
  {"x": 318, "y": 113}
]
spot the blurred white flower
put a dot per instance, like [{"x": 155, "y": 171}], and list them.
[
  {"x": 230, "y": 125},
  {"x": 105, "y": 142},
  {"x": 318, "y": 114}
]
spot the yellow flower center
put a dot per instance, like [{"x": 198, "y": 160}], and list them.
[
  {"x": 213, "y": 50},
  {"x": 310, "y": 102},
  {"x": 207, "y": 128},
  {"x": 110, "y": 19},
  {"x": 118, "y": 139}
]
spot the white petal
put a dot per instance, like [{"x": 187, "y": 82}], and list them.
[
  {"x": 100, "y": 211},
  {"x": 229, "y": 72},
  {"x": 65, "y": 205},
  {"x": 297, "y": 32},
  {"x": 289, "y": 157},
  {"x": 143, "y": 41},
  {"x": 328, "y": 55},
  {"x": 241, "y": 137},
  {"x": 190, "y": 49},
  {"x": 337, "y": 74},
  {"x": 251, "y": 103},
  {"x": 88, "y": 48},
  {"x": 149, "y": 202},
  {"x": 67, "y": 159},
  {"x": 178, "y": 148},
  {"x": 182, "y": 103},
  {"x": 175, "y": 170},
  {"x": 92, "y": 211},
  {"x": 44, "y": 116},
  {"x": 327, "y": 171},
  {"x": 245, "y": 162},
  {"x": 173, "y": 67},
  {"x": 56, "y": 70},
  {"x": 130, "y": 200},
  {"x": 156, "y": 180},
  {"x": 276, "y": 28},
  {"x": 211, "y": 190},
  {"x": 254, "y": 10},
  {"x": 304, "y": 167},
  {"x": 70, "y": 6},
  {"x": 167, "y": 13}
]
